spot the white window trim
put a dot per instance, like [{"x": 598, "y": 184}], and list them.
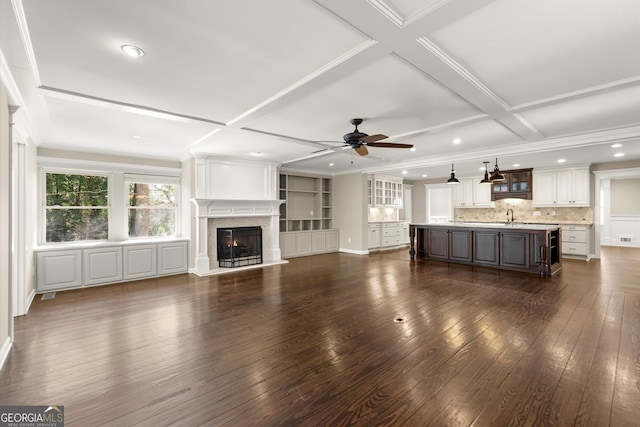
[
  {"x": 151, "y": 179},
  {"x": 117, "y": 187}
]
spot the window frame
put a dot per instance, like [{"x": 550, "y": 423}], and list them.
[
  {"x": 117, "y": 203},
  {"x": 130, "y": 178}
]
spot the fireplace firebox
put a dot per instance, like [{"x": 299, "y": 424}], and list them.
[{"x": 239, "y": 246}]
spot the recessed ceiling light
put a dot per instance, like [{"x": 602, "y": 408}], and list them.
[
  {"x": 405, "y": 172},
  {"x": 457, "y": 141},
  {"x": 618, "y": 155},
  {"x": 137, "y": 136},
  {"x": 516, "y": 165},
  {"x": 616, "y": 146},
  {"x": 424, "y": 175},
  {"x": 132, "y": 51},
  {"x": 561, "y": 160},
  {"x": 256, "y": 153},
  {"x": 332, "y": 164},
  {"x": 481, "y": 168},
  {"x": 412, "y": 149}
]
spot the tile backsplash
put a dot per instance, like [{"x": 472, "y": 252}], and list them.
[
  {"x": 383, "y": 214},
  {"x": 523, "y": 211}
]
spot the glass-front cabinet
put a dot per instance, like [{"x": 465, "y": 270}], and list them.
[{"x": 385, "y": 191}]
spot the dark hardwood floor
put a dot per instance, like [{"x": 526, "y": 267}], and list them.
[{"x": 314, "y": 342}]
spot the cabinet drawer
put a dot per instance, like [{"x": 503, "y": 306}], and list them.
[
  {"x": 574, "y": 236},
  {"x": 391, "y": 241},
  {"x": 391, "y": 232},
  {"x": 570, "y": 248}
]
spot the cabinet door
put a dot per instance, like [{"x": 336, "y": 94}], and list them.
[
  {"x": 303, "y": 244},
  {"x": 438, "y": 243},
  {"x": 374, "y": 237},
  {"x": 460, "y": 245},
  {"x": 514, "y": 250},
  {"x": 139, "y": 261},
  {"x": 463, "y": 194},
  {"x": 564, "y": 187},
  {"x": 318, "y": 242},
  {"x": 58, "y": 270},
  {"x": 288, "y": 245},
  {"x": 580, "y": 187},
  {"x": 544, "y": 189},
  {"x": 172, "y": 258},
  {"x": 102, "y": 265},
  {"x": 481, "y": 194},
  {"x": 332, "y": 240},
  {"x": 485, "y": 247}
]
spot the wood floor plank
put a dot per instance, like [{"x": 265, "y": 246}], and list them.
[{"x": 313, "y": 342}]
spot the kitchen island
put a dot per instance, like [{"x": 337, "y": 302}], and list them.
[{"x": 531, "y": 248}]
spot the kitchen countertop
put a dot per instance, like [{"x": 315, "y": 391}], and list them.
[{"x": 495, "y": 225}]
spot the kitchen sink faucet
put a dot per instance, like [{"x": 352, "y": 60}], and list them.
[{"x": 510, "y": 210}]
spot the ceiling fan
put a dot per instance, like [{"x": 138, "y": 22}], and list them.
[{"x": 360, "y": 141}]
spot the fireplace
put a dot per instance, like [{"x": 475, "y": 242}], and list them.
[{"x": 239, "y": 246}]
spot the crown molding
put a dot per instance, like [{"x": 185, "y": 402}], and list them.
[{"x": 21, "y": 20}]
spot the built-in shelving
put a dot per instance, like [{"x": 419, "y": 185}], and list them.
[{"x": 306, "y": 215}]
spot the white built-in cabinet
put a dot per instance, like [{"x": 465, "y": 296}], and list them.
[
  {"x": 385, "y": 191},
  {"x": 576, "y": 241},
  {"x": 469, "y": 193},
  {"x": 562, "y": 187},
  {"x": 387, "y": 234},
  {"x": 61, "y": 268},
  {"x": 305, "y": 216}
]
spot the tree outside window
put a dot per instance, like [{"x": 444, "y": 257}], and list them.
[
  {"x": 76, "y": 207},
  {"x": 152, "y": 210}
]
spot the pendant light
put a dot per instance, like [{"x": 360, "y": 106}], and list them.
[
  {"x": 486, "y": 179},
  {"x": 496, "y": 175},
  {"x": 453, "y": 179}
]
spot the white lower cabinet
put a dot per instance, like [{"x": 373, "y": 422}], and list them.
[
  {"x": 102, "y": 265},
  {"x": 61, "y": 268},
  {"x": 301, "y": 243},
  {"x": 140, "y": 261},
  {"x": 172, "y": 258},
  {"x": 576, "y": 241},
  {"x": 58, "y": 270},
  {"x": 388, "y": 234}
]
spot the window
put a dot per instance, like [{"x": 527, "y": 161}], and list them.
[
  {"x": 91, "y": 205},
  {"x": 151, "y": 207},
  {"x": 76, "y": 207}
]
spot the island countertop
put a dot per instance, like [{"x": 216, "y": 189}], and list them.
[{"x": 493, "y": 225}]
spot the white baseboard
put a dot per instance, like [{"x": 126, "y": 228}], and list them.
[
  {"x": 4, "y": 351},
  {"x": 353, "y": 251},
  {"x": 29, "y": 301}
]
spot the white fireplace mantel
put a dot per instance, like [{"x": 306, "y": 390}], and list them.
[{"x": 227, "y": 208}]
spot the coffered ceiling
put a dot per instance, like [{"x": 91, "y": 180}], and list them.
[{"x": 528, "y": 82}]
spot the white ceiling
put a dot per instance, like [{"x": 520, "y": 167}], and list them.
[{"x": 525, "y": 81}]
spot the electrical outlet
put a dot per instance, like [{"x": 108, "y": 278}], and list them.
[
  {"x": 553, "y": 213},
  {"x": 311, "y": 212},
  {"x": 536, "y": 213},
  {"x": 348, "y": 239}
]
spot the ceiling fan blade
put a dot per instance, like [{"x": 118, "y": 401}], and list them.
[
  {"x": 389, "y": 145},
  {"x": 362, "y": 150},
  {"x": 373, "y": 138}
]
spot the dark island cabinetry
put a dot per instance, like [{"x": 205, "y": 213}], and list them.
[{"x": 528, "y": 248}]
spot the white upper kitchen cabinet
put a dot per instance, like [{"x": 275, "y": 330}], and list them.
[
  {"x": 562, "y": 187},
  {"x": 469, "y": 193}
]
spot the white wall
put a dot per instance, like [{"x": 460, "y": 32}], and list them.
[
  {"x": 350, "y": 212},
  {"x": 6, "y": 316}
]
